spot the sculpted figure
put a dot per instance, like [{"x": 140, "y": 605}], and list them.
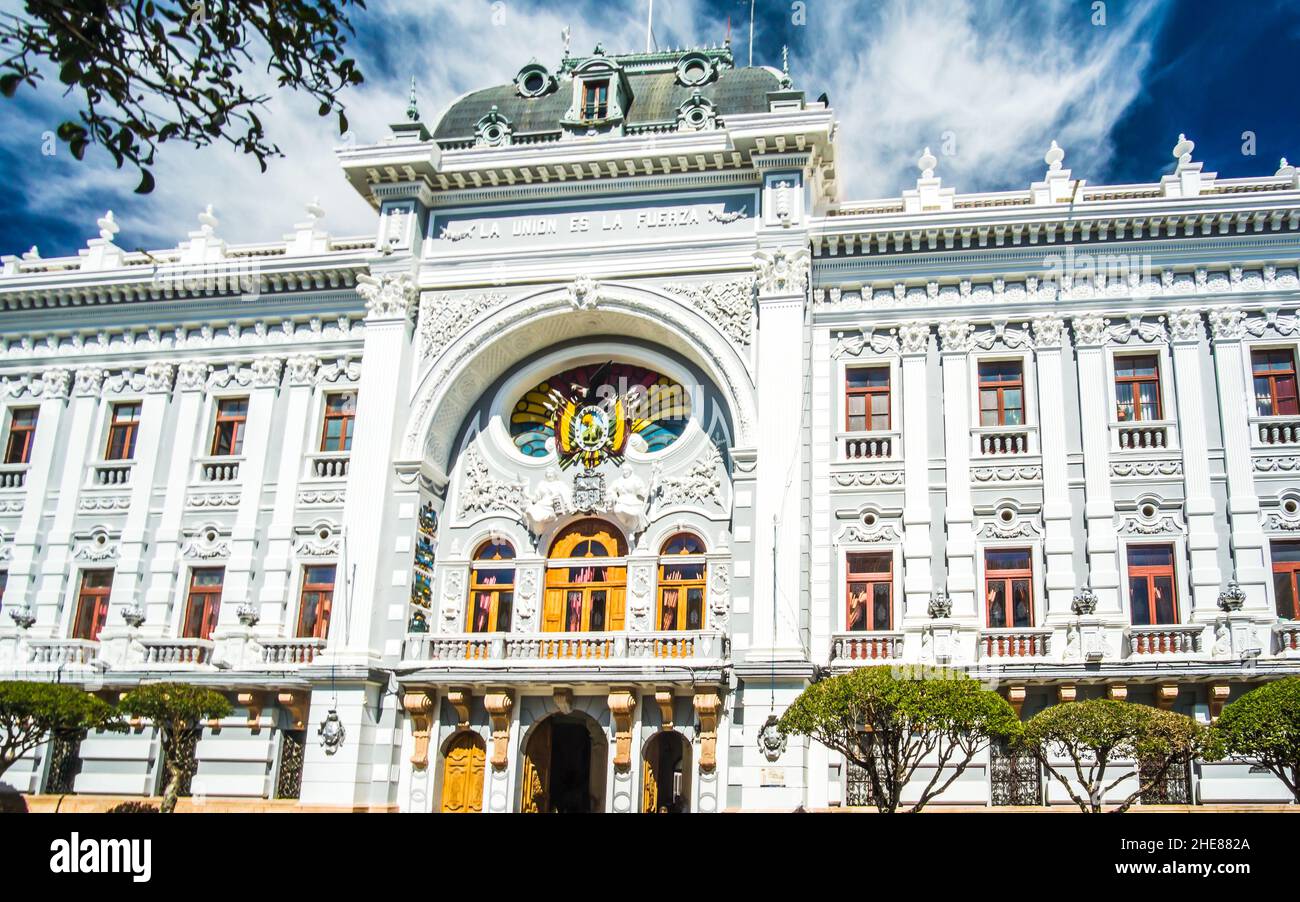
[
  {"x": 551, "y": 499},
  {"x": 630, "y": 495}
]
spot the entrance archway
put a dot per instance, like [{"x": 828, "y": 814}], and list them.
[
  {"x": 666, "y": 774},
  {"x": 564, "y": 766},
  {"x": 462, "y": 773}
]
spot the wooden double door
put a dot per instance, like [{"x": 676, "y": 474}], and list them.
[{"x": 463, "y": 769}]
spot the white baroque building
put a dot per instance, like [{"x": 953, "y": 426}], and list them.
[{"x": 623, "y": 429}]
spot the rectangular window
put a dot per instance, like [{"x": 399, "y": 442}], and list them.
[
  {"x": 22, "y": 431},
  {"x": 870, "y": 591},
  {"x": 492, "y": 599},
  {"x": 228, "y": 437},
  {"x": 595, "y": 100},
  {"x": 340, "y": 411},
  {"x": 1151, "y": 595},
  {"x": 1275, "y": 388},
  {"x": 92, "y": 604},
  {"x": 122, "y": 432},
  {"x": 1286, "y": 567},
  {"x": 1009, "y": 587},
  {"x": 204, "y": 603},
  {"x": 1002, "y": 393},
  {"x": 1137, "y": 388},
  {"x": 866, "y": 399},
  {"x": 4, "y": 584},
  {"x": 316, "y": 601}
]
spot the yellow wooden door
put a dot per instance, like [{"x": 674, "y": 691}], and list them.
[
  {"x": 537, "y": 771},
  {"x": 462, "y": 775},
  {"x": 553, "y": 610},
  {"x": 617, "y": 599},
  {"x": 649, "y": 782}
]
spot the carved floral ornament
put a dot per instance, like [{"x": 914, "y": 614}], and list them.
[
  {"x": 388, "y": 296},
  {"x": 782, "y": 271}
]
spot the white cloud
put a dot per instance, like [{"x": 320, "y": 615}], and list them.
[{"x": 997, "y": 81}]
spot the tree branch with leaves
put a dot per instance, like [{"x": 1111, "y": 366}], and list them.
[
  {"x": 1264, "y": 726},
  {"x": 144, "y": 73},
  {"x": 178, "y": 711},
  {"x": 31, "y": 713}
]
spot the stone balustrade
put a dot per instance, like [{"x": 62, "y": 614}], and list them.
[{"x": 461, "y": 648}]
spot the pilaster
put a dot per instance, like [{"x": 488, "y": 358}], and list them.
[
  {"x": 917, "y": 544},
  {"x": 959, "y": 514},
  {"x": 1058, "y": 544},
  {"x": 1090, "y": 337}
]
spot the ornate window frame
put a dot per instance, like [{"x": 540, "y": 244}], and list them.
[
  {"x": 1011, "y": 524},
  {"x": 1168, "y": 390},
  {"x": 874, "y": 530}
]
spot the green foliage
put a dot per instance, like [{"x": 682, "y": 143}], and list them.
[
  {"x": 1264, "y": 725},
  {"x": 31, "y": 712},
  {"x": 147, "y": 73},
  {"x": 133, "y": 808},
  {"x": 178, "y": 711},
  {"x": 1098, "y": 734},
  {"x": 889, "y": 721}
]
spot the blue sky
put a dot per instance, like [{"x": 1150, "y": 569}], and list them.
[{"x": 987, "y": 85}]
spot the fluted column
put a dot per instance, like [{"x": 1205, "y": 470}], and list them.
[
  {"x": 276, "y": 592},
  {"x": 917, "y": 545},
  {"x": 1058, "y": 543},
  {"x": 1235, "y": 405},
  {"x": 959, "y": 515},
  {"x": 1186, "y": 333},
  {"x": 1090, "y": 336},
  {"x": 191, "y": 377}
]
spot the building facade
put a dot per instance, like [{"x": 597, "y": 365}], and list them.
[{"x": 622, "y": 429}]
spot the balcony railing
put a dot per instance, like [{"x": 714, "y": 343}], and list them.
[
  {"x": 218, "y": 469},
  {"x": 867, "y": 646},
  {"x": 1173, "y": 639},
  {"x": 13, "y": 476},
  {"x": 111, "y": 473},
  {"x": 1150, "y": 435},
  {"x": 177, "y": 652},
  {"x": 1002, "y": 441},
  {"x": 1287, "y": 640},
  {"x": 1015, "y": 642},
  {"x": 290, "y": 652},
  {"x": 328, "y": 465},
  {"x": 1269, "y": 431},
  {"x": 62, "y": 651},
  {"x": 578, "y": 648},
  {"x": 868, "y": 445}
]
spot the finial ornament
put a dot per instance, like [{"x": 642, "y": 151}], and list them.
[
  {"x": 108, "y": 226},
  {"x": 207, "y": 220},
  {"x": 926, "y": 164},
  {"x": 1183, "y": 149},
  {"x": 565, "y": 34},
  {"x": 33, "y": 254},
  {"x": 1053, "y": 157},
  {"x": 1284, "y": 169},
  {"x": 412, "y": 108},
  {"x": 785, "y": 67},
  {"x": 315, "y": 210}
]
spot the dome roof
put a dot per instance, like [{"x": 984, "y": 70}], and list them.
[{"x": 660, "y": 83}]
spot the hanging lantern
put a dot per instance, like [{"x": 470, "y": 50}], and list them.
[{"x": 331, "y": 732}]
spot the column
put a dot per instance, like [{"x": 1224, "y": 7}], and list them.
[
  {"x": 778, "y": 525},
  {"x": 56, "y": 567},
  {"x": 191, "y": 378},
  {"x": 1090, "y": 336},
  {"x": 385, "y": 367},
  {"x": 1186, "y": 332},
  {"x": 1235, "y": 404},
  {"x": 917, "y": 546},
  {"x": 959, "y": 514},
  {"x": 276, "y": 592},
  {"x": 1058, "y": 543}
]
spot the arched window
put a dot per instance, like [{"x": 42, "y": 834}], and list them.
[
  {"x": 681, "y": 584},
  {"x": 586, "y": 581},
  {"x": 492, "y": 588}
]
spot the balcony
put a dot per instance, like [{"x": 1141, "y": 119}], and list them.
[
  {"x": 217, "y": 469},
  {"x": 851, "y": 648},
  {"x": 172, "y": 653},
  {"x": 868, "y": 445},
  {"x": 328, "y": 465},
  {"x": 564, "y": 649},
  {"x": 1015, "y": 642},
  {"x": 1172, "y": 639},
  {"x": 290, "y": 652},
  {"x": 111, "y": 473},
  {"x": 1287, "y": 638},
  {"x": 13, "y": 476},
  {"x": 62, "y": 651},
  {"x": 1003, "y": 441},
  {"x": 1147, "y": 435},
  {"x": 1268, "y": 432}
]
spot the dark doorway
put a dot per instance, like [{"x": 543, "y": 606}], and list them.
[
  {"x": 665, "y": 779},
  {"x": 570, "y": 788}
]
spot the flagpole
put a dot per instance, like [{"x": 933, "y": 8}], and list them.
[
  {"x": 751, "y": 32},
  {"x": 649, "y": 25}
]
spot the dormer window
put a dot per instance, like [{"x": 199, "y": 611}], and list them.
[
  {"x": 695, "y": 69},
  {"x": 533, "y": 80},
  {"x": 595, "y": 99}
]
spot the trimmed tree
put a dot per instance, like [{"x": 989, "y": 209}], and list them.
[
  {"x": 890, "y": 721},
  {"x": 30, "y": 713},
  {"x": 1102, "y": 736},
  {"x": 178, "y": 710},
  {"x": 1264, "y": 726}
]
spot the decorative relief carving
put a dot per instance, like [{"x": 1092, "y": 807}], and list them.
[
  {"x": 869, "y": 478},
  {"x": 915, "y": 337},
  {"x": 206, "y": 544},
  {"x": 1147, "y": 468},
  {"x": 583, "y": 293},
  {"x": 387, "y": 297},
  {"x": 858, "y": 534},
  {"x": 1000, "y": 334},
  {"x": 1277, "y": 464},
  {"x": 89, "y": 381},
  {"x": 1150, "y": 526},
  {"x": 453, "y": 596},
  {"x": 1227, "y": 323},
  {"x": 699, "y": 486},
  {"x": 955, "y": 336},
  {"x": 158, "y": 377},
  {"x": 444, "y": 317},
  {"x": 1006, "y": 474},
  {"x": 301, "y": 369},
  {"x": 1048, "y": 331},
  {"x": 853, "y": 346},
  {"x": 622, "y": 705},
  {"x": 641, "y": 589},
  {"x": 192, "y": 375},
  {"x": 1185, "y": 325},
  {"x": 526, "y": 598},
  {"x": 782, "y": 271},
  {"x": 341, "y": 371},
  {"x": 1090, "y": 330},
  {"x": 729, "y": 304},
  {"x": 481, "y": 493},
  {"x": 720, "y": 592}
]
